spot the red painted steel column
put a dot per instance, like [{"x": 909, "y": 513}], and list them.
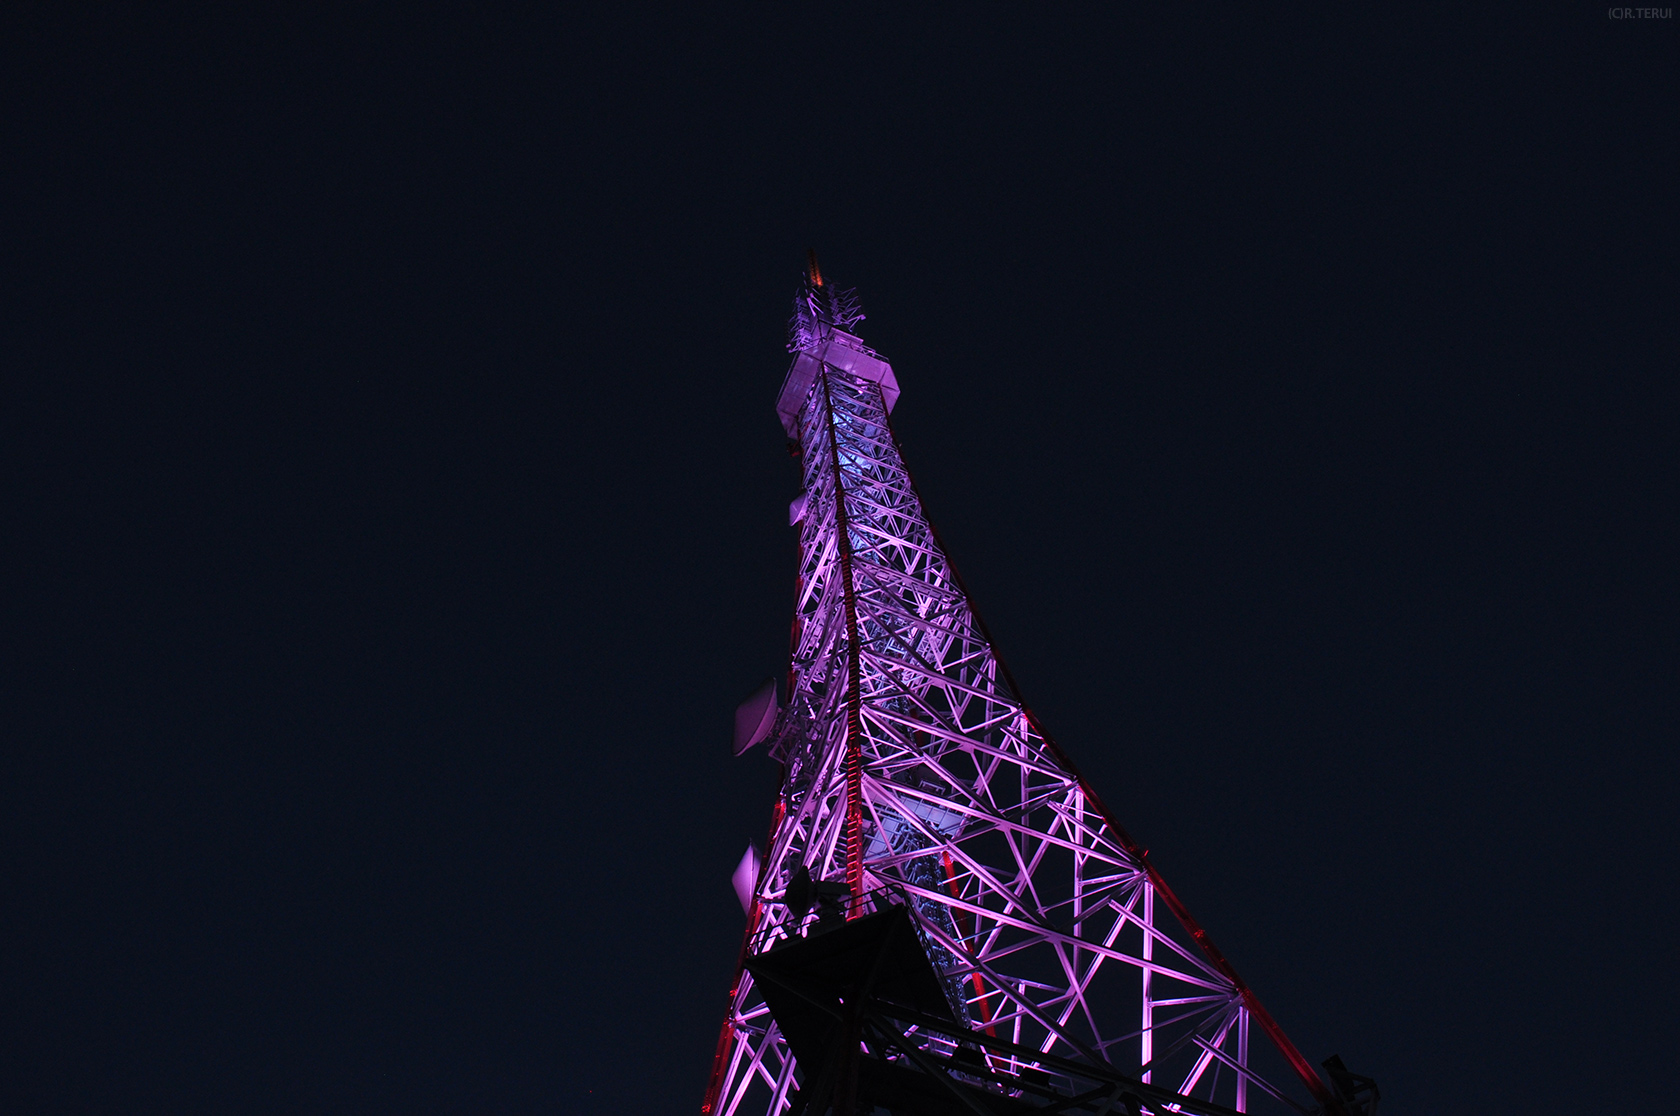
[{"x": 854, "y": 674}]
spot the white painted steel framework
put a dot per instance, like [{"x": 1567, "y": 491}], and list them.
[{"x": 912, "y": 769}]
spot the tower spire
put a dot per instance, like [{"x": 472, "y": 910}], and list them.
[
  {"x": 819, "y": 309},
  {"x": 946, "y": 911}
]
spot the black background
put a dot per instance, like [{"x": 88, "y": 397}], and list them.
[{"x": 395, "y": 513}]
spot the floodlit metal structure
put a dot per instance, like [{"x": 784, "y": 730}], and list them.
[{"x": 916, "y": 780}]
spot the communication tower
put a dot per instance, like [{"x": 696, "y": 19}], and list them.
[{"x": 947, "y": 918}]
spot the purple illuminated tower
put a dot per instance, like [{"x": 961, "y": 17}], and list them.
[{"x": 947, "y": 918}]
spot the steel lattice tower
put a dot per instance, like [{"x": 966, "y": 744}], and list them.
[{"x": 917, "y": 783}]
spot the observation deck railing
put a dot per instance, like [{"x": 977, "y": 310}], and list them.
[{"x": 829, "y": 910}]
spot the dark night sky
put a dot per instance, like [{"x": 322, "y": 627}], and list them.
[{"x": 395, "y": 513}]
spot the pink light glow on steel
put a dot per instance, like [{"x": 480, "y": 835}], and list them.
[{"x": 912, "y": 769}]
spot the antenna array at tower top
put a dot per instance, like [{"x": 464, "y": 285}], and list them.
[{"x": 817, "y": 309}]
